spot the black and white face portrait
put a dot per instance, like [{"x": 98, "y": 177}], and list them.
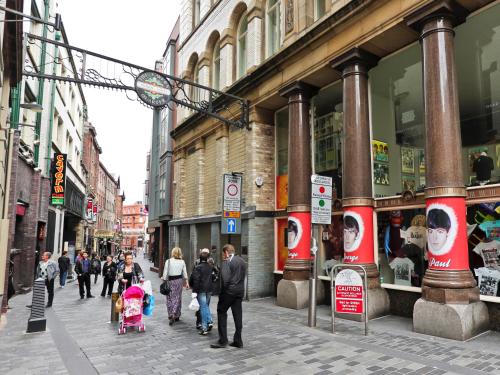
[
  {"x": 353, "y": 231},
  {"x": 294, "y": 232},
  {"x": 441, "y": 228}
]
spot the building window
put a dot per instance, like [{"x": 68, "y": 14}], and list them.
[
  {"x": 196, "y": 12},
  {"x": 242, "y": 46},
  {"x": 319, "y": 9},
  {"x": 216, "y": 67},
  {"x": 273, "y": 26}
]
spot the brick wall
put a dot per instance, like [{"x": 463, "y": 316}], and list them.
[{"x": 211, "y": 179}]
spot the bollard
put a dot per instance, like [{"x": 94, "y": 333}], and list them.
[
  {"x": 37, "y": 321},
  {"x": 114, "y": 314}
]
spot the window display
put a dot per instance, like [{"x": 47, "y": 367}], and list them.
[{"x": 402, "y": 246}]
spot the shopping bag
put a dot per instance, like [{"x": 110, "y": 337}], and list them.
[
  {"x": 119, "y": 304},
  {"x": 148, "y": 310},
  {"x": 146, "y": 286},
  {"x": 194, "y": 305}
]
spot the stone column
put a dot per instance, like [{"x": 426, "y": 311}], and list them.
[
  {"x": 450, "y": 305},
  {"x": 255, "y": 25},
  {"x": 357, "y": 175},
  {"x": 293, "y": 290}
]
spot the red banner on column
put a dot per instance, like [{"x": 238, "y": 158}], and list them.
[
  {"x": 299, "y": 235},
  {"x": 447, "y": 234},
  {"x": 358, "y": 235}
]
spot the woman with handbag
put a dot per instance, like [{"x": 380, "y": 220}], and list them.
[{"x": 175, "y": 276}]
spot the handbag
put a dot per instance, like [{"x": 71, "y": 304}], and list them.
[{"x": 165, "y": 286}]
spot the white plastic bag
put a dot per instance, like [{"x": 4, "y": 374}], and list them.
[
  {"x": 194, "y": 305},
  {"x": 146, "y": 286}
]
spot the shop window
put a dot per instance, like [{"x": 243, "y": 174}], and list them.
[
  {"x": 477, "y": 46},
  {"x": 332, "y": 250},
  {"x": 273, "y": 22},
  {"x": 242, "y": 46},
  {"x": 281, "y": 122},
  {"x": 483, "y": 230},
  {"x": 328, "y": 120},
  {"x": 398, "y": 135},
  {"x": 402, "y": 236}
]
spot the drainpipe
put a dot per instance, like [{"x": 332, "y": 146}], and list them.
[{"x": 41, "y": 84}]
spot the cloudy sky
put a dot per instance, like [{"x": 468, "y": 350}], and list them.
[{"x": 133, "y": 31}]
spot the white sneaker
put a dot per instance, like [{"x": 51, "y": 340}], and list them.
[{"x": 62, "y": 286}]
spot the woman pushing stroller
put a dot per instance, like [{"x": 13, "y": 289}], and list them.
[{"x": 129, "y": 273}]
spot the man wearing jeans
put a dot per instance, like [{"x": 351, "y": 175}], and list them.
[
  {"x": 82, "y": 269},
  {"x": 201, "y": 282},
  {"x": 233, "y": 273},
  {"x": 64, "y": 265}
]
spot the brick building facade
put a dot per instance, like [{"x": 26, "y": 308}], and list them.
[{"x": 134, "y": 225}]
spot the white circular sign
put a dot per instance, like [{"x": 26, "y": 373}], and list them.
[{"x": 232, "y": 189}]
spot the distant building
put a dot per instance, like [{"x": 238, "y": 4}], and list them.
[
  {"x": 107, "y": 189},
  {"x": 134, "y": 225}
]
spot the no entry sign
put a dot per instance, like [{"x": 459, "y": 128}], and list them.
[{"x": 349, "y": 292}]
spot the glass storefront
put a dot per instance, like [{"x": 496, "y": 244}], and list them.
[{"x": 399, "y": 156}]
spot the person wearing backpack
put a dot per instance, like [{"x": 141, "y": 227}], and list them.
[
  {"x": 95, "y": 267},
  {"x": 202, "y": 289}
]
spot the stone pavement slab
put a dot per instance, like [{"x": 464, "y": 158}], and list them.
[{"x": 81, "y": 340}]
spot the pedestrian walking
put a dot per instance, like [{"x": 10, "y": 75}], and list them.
[
  {"x": 129, "y": 273},
  {"x": 233, "y": 271},
  {"x": 10, "y": 286},
  {"x": 108, "y": 276},
  {"x": 48, "y": 269},
  {"x": 64, "y": 266},
  {"x": 95, "y": 266},
  {"x": 175, "y": 271},
  {"x": 82, "y": 269},
  {"x": 201, "y": 284}
]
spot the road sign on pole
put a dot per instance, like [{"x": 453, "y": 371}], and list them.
[
  {"x": 321, "y": 199},
  {"x": 231, "y": 204}
]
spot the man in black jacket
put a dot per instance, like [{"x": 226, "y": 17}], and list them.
[
  {"x": 201, "y": 283},
  {"x": 233, "y": 273},
  {"x": 82, "y": 269}
]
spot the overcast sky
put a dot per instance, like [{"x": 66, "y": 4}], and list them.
[{"x": 133, "y": 31}]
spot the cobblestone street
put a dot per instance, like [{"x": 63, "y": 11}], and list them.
[{"x": 80, "y": 340}]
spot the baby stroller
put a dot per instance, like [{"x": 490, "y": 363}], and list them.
[{"x": 131, "y": 313}]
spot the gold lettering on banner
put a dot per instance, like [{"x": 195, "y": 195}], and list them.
[
  {"x": 360, "y": 202},
  {"x": 445, "y": 191}
]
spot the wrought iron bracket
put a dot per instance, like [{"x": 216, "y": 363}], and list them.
[{"x": 84, "y": 67}]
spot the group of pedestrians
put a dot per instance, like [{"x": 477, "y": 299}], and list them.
[{"x": 205, "y": 280}]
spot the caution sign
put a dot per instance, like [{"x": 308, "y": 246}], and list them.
[{"x": 349, "y": 292}]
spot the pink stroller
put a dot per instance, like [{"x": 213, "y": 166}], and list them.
[{"x": 131, "y": 314}]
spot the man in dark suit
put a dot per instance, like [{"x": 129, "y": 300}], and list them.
[
  {"x": 232, "y": 273},
  {"x": 82, "y": 269}
]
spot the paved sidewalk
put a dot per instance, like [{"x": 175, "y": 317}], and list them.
[{"x": 80, "y": 340}]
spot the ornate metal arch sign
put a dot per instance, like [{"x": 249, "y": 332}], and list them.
[{"x": 153, "y": 89}]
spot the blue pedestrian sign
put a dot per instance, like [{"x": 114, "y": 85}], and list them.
[{"x": 231, "y": 225}]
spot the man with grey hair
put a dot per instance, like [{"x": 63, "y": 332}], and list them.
[
  {"x": 48, "y": 269},
  {"x": 233, "y": 271}
]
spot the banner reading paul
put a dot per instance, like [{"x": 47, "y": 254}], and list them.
[
  {"x": 446, "y": 234},
  {"x": 299, "y": 235},
  {"x": 358, "y": 235}
]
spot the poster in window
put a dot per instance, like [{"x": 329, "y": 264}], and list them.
[
  {"x": 407, "y": 160},
  {"x": 408, "y": 183},
  {"x": 281, "y": 245},
  {"x": 497, "y": 150},
  {"x": 380, "y": 151},
  {"x": 281, "y": 192},
  {"x": 381, "y": 174},
  {"x": 421, "y": 161}
]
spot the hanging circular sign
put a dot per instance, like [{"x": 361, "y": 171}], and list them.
[{"x": 153, "y": 89}]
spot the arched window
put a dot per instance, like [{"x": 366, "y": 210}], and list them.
[
  {"x": 196, "y": 12},
  {"x": 273, "y": 27},
  {"x": 242, "y": 46},
  {"x": 216, "y": 66},
  {"x": 195, "y": 91}
]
